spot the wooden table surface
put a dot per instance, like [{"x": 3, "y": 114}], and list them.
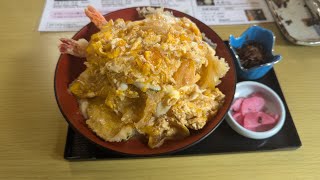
[{"x": 33, "y": 131}]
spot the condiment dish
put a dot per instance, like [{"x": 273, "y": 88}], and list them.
[
  {"x": 267, "y": 39},
  {"x": 273, "y": 104}
]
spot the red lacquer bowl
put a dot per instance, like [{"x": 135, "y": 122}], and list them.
[{"x": 69, "y": 67}]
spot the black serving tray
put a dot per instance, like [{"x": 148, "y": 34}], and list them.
[{"x": 222, "y": 140}]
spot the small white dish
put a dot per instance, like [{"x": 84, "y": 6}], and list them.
[{"x": 273, "y": 105}]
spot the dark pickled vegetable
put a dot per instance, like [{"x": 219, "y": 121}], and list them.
[{"x": 252, "y": 54}]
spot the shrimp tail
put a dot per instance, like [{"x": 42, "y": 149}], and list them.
[
  {"x": 95, "y": 16},
  {"x": 73, "y": 47}
]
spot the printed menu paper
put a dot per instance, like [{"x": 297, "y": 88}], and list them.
[{"x": 68, "y": 15}]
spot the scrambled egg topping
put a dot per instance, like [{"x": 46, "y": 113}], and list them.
[{"x": 155, "y": 77}]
